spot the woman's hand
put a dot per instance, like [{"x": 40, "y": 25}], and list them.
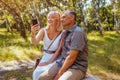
[
  {"x": 43, "y": 63},
  {"x": 35, "y": 29}
]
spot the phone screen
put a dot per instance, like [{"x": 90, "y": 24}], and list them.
[{"x": 34, "y": 21}]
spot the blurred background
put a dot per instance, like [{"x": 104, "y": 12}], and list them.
[{"x": 99, "y": 18}]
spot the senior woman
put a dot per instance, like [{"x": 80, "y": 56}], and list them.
[{"x": 52, "y": 38}]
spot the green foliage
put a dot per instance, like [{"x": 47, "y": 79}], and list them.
[
  {"x": 12, "y": 46},
  {"x": 31, "y": 8}
]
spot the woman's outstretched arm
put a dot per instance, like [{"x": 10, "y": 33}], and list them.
[{"x": 36, "y": 38}]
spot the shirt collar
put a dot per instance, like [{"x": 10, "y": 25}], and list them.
[{"x": 72, "y": 28}]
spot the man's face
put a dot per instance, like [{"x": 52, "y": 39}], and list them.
[{"x": 66, "y": 19}]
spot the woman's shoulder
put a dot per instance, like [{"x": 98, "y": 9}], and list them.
[
  {"x": 62, "y": 31},
  {"x": 44, "y": 29}
]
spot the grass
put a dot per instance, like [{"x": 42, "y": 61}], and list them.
[
  {"x": 12, "y": 46},
  {"x": 25, "y": 74},
  {"x": 104, "y": 58}
]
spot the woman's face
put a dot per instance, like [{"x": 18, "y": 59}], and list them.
[{"x": 53, "y": 19}]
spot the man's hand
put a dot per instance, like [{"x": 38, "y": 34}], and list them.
[
  {"x": 57, "y": 76},
  {"x": 67, "y": 63}
]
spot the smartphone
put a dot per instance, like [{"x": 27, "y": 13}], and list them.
[{"x": 34, "y": 21}]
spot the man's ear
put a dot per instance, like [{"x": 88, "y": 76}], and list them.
[{"x": 72, "y": 17}]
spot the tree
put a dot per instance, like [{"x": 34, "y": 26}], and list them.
[
  {"x": 16, "y": 16},
  {"x": 116, "y": 20},
  {"x": 83, "y": 15},
  {"x": 94, "y": 4}
]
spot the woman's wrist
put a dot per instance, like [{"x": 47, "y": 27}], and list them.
[
  {"x": 49, "y": 62},
  {"x": 32, "y": 35}
]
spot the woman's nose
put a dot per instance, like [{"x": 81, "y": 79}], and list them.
[{"x": 49, "y": 18}]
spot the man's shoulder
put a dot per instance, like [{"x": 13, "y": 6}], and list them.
[{"x": 78, "y": 29}]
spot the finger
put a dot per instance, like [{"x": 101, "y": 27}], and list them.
[
  {"x": 39, "y": 26},
  {"x": 36, "y": 28},
  {"x": 32, "y": 25},
  {"x": 36, "y": 25}
]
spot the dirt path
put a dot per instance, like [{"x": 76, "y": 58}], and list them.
[
  {"x": 12, "y": 67},
  {"x": 22, "y": 70}
]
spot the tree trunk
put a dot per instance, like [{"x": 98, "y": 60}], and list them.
[
  {"x": 81, "y": 6},
  {"x": 98, "y": 17},
  {"x": 116, "y": 24},
  {"x": 22, "y": 27},
  {"x": 7, "y": 25},
  {"x": 107, "y": 18},
  {"x": 115, "y": 16},
  {"x": 16, "y": 17}
]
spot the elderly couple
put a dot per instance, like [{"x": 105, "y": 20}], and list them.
[{"x": 67, "y": 56}]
